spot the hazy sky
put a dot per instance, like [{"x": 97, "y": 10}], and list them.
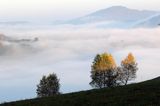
[
  {"x": 64, "y": 9},
  {"x": 69, "y": 53}
]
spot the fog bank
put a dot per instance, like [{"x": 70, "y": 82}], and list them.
[{"x": 69, "y": 53}]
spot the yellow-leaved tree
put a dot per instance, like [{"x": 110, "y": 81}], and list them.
[
  {"x": 104, "y": 71},
  {"x": 129, "y": 68}
]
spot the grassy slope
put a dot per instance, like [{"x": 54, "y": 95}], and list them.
[{"x": 142, "y": 94}]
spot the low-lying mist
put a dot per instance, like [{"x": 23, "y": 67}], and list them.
[{"x": 69, "y": 53}]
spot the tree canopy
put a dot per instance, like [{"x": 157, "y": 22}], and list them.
[
  {"x": 48, "y": 86},
  {"x": 129, "y": 68},
  {"x": 105, "y": 72}
]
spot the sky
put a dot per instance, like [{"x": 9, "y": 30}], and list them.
[
  {"x": 64, "y": 9},
  {"x": 68, "y": 52}
]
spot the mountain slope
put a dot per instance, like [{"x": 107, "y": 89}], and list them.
[
  {"x": 141, "y": 94},
  {"x": 115, "y": 13},
  {"x": 153, "y": 21}
]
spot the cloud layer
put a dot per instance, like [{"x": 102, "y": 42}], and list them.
[{"x": 69, "y": 53}]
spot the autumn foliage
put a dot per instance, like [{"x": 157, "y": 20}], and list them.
[
  {"x": 129, "y": 68},
  {"x": 104, "y": 62},
  {"x": 105, "y": 72}
]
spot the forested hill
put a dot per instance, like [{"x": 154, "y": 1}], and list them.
[{"x": 141, "y": 94}]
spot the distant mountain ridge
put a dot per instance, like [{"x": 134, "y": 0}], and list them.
[
  {"x": 153, "y": 21},
  {"x": 13, "y": 22},
  {"x": 116, "y": 14}
]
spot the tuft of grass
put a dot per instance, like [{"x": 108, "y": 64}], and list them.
[{"x": 141, "y": 94}]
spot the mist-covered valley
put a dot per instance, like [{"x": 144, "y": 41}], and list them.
[{"x": 27, "y": 54}]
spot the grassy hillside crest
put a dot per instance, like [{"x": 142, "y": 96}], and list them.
[{"x": 146, "y": 93}]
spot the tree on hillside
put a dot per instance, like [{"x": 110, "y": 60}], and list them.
[
  {"x": 104, "y": 72},
  {"x": 128, "y": 69},
  {"x": 48, "y": 86}
]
